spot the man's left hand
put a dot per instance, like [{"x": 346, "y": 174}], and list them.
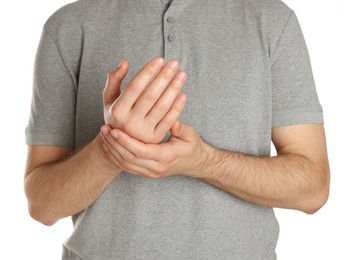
[{"x": 183, "y": 154}]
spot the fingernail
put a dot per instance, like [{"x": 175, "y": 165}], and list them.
[
  {"x": 182, "y": 75},
  {"x": 158, "y": 61},
  {"x": 173, "y": 64},
  {"x": 114, "y": 134}
]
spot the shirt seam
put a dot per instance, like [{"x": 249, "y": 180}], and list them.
[
  {"x": 281, "y": 37},
  {"x": 61, "y": 58}
]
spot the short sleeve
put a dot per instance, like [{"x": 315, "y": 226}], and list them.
[
  {"x": 52, "y": 114},
  {"x": 294, "y": 96}
]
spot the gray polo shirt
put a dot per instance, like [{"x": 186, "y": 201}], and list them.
[{"x": 249, "y": 71}]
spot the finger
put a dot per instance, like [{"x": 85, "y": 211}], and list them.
[
  {"x": 113, "y": 144},
  {"x": 130, "y": 163},
  {"x": 139, "y": 82},
  {"x": 139, "y": 171},
  {"x": 113, "y": 84},
  {"x": 122, "y": 164},
  {"x": 165, "y": 102},
  {"x": 136, "y": 147},
  {"x": 108, "y": 144},
  {"x": 127, "y": 161},
  {"x": 183, "y": 131},
  {"x": 176, "y": 126},
  {"x": 111, "y": 156},
  {"x": 155, "y": 89},
  {"x": 116, "y": 151},
  {"x": 168, "y": 121},
  {"x": 106, "y": 128},
  {"x": 119, "y": 150}
]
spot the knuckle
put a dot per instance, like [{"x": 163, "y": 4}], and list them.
[
  {"x": 155, "y": 139},
  {"x": 167, "y": 74},
  {"x": 160, "y": 133},
  {"x": 169, "y": 157},
  {"x": 134, "y": 87},
  {"x": 141, "y": 153},
  {"x": 169, "y": 122},
  {"x": 150, "y": 96},
  {"x": 115, "y": 111},
  {"x": 176, "y": 85},
  {"x": 178, "y": 106},
  {"x": 162, "y": 108},
  {"x": 151, "y": 70},
  {"x": 160, "y": 170},
  {"x": 125, "y": 165}
]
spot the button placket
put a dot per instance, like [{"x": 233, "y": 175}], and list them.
[
  {"x": 170, "y": 19},
  {"x": 171, "y": 37},
  {"x": 169, "y": 26}
]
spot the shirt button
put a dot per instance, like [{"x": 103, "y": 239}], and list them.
[
  {"x": 170, "y": 19},
  {"x": 171, "y": 37},
  {"x": 165, "y": 1}
]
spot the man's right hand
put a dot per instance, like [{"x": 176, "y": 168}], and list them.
[{"x": 150, "y": 103}]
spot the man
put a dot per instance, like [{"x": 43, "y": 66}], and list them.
[{"x": 207, "y": 189}]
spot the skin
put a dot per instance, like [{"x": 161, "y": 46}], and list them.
[
  {"x": 297, "y": 178},
  {"x": 59, "y": 182},
  {"x": 142, "y": 112}
]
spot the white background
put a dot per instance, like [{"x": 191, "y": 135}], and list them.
[{"x": 328, "y": 30}]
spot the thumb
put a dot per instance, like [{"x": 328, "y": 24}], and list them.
[
  {"x": 114, "y": 80},
  {"x": 181, "y": 130}
]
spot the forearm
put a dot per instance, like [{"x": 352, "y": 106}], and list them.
[
  {"x": 285, "y": 181},
  {"x": 64, "y": 188},
  {"x": 298, "y": 178}
]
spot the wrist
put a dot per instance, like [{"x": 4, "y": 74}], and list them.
[
  {"x": 203, "y": 163},
  {"x": 103, "y": 159}
]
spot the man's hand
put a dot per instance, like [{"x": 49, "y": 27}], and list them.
[
  {"x": 297, "y": 178},
  {"x": 150, "y": 104},
  {"x": 183, "y": 153}
]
